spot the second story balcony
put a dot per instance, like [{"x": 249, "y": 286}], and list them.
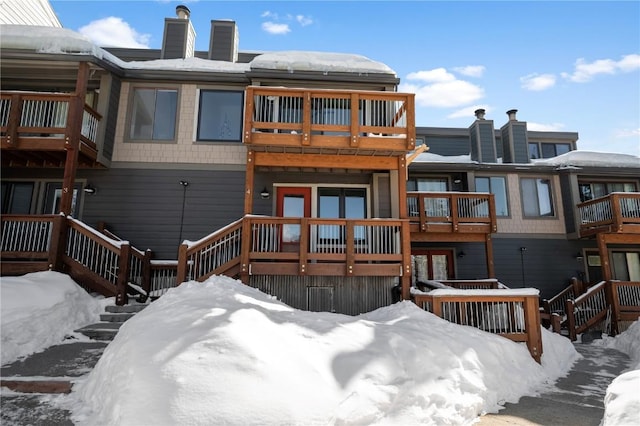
[
  {"x": 329, "y": 121},
  {"x": 35, "y": 127},
  {"x": 453, "y": 213},
  {"x": 618, "y": 212}
]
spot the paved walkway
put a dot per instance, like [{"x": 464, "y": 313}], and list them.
[{"x": 575, "y": 400}]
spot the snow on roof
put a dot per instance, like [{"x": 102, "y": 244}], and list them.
[
  {"x": 428, "y": 157},
  {"x": 319, "y": 61},
  {"x": 591, "y": 159},
  {"x": 46, "y": 40},
  {"x": 189, "y": 64}
]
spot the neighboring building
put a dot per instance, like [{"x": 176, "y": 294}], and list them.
[
  {"x": 28, "y": 12},
  {"x": 540, "y": 183},
  {"x": 172, "y": 144}
]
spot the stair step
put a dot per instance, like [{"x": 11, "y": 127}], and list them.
[
  {"x": 100, "y": 330},
  {"x": 131, "y": 308},
  {"x": 116, "y": 317}
]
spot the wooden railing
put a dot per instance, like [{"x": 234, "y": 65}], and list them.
[
  {"x": 513, "y": 314},
  {"x": 335, "y": 119},
  {"x": 41, "y": 120},
  {"x": 558, "y": 303},
  {"x": 262, "y": 246},
  {"x": 616, "y": 212},
  {"x": 92, "y": 259},
  {"x": 622, "y": 298},
  {"x": 488, "y": 284},
  {"x": 452, "y": 212}
]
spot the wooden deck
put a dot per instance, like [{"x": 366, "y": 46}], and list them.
[
  {"x": 35, "y": 129},
  {"x": 328, "y": 121},
  {"x": 618, "y": 212}
]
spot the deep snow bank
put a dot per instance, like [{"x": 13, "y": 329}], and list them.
[{"x": 223, "y": 353}]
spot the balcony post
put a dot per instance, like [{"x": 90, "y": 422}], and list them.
[
  {"x": 402, "y": 187},
  {"x": 488, "y": 244},
  {"x": 604, "y": 257},
  {"x": 406, "y": 259},
  {"x": 72, "y": 137},
  {"x": 355, "y": 118},
  {"x": 306, "y": 119},
  {"x": 15, "y": 114},
  {"x": 248, "y": 114},
  {"x": 616, "y": 213},
  {"x": 249, "y": 184}
]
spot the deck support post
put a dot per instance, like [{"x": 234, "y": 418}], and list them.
[
  {"x": 72, "y": 137},
  {"x": 604, "y": 257},
  {"x": 248, "y": 183},
  {"x": 489, "y": 250}
]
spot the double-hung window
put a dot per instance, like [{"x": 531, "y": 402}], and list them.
[
  {"x": 495, "y": 185},
  {"x": 153, "y": 114},
  {"x": 220, "y": 116},
  {"x": 547, "y": 149},
  {"x": 537, "y": 197}
]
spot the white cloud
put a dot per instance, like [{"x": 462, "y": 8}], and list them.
[
  {"x": 469, "y": 112},
  {"x": 268, "y": 14},
  {"x": 471, "y": 70},
  {"x": 440, "y": 88},
  {"x": 627, "y": 133},
  {"x": 538, "y": 82},
  {"x": 114, "y": 32},
  {"x": 273, "y": 28},
  {"x": 304, "y": 20},
  {"x": 437, "y": 75},
  {"x": 540, "y": 127},
  {"x": 585, "y": 71}
]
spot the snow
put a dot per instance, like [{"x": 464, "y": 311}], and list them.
[
  {"x": 319, "y": 61},
  {"x": 622, "y": 401},
  {"x": 590, "y": 159},
  {"x": 498, "y": 292},
  {"x": 39, "y": 309},
  {"x": 427, "y": 157},
  {"x": 65, "y": 41},
  {"x": 221, "y": 352}
]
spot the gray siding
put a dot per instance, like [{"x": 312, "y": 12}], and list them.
[
  {"x": 567, "y": 203},
  {"x": 474, "y": 143},
  {"x": 112, "y": 117},
  {"x": 487, "y": 142},
  {"x": 175, "y": 38},
  {"x": 520, "y": 148},
  {"x": 443, "y": 145},
  {"x": 507, "y": 152},
  {"x": 344, "y": 295},
  {"x": 145, "y": 206},
  {"x": 222, "y": 42}
]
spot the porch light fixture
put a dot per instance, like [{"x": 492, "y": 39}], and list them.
[
  {"x": 461, "y": 254},
  {"x": 579, "y": 257},
  {"x": 265, "y": 194},
  {"x": 89, "y": 190}
]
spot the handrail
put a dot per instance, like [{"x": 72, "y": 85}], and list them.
[
  {"x": 253, "y": 244},
  {"x": 587, "y": 310},
  {"x": 488, "y": 284},
  {"x": 455, "y": 209},
  {"x": 329, "y": 118},
  {"x": 36, "y": 114},
  {"x": 513, "y": 314},
  {"x": 557, "y": 303},
  {"x": 625, "y": 302},
  {"x": 610, "y": 212}
]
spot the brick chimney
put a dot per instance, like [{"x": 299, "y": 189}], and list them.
[{"x": 179, "y": 36}]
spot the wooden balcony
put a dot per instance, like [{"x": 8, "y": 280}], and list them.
[
  {"x": 618, "y": 212},
  {"x": 329, "y": 121},
  {"x": 451, "y": 216},
  {"x": 35, "y": 129},
  {"x": 300, "y": 246}
]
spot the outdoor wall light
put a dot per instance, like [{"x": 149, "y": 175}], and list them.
[
  {"x": 461, "y": 254},
  {"x": 579, "y": 257},
  {"x": 265, "y": 194},
  {"x": 89, "y": 189},
  {"x": 184, "y": 183}
]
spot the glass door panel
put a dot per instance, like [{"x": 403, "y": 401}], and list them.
[{"x": 292, "y": 202}]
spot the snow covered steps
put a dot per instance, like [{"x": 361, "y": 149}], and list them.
[{"x": 111, "y": 321}]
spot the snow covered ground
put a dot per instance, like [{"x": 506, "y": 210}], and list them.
[
  {"x": 223, "y": 353},
  {"x": 38, "y": 310}
]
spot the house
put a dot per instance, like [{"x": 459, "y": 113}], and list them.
[{"x": 297, "y": 172}]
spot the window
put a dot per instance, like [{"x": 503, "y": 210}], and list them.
[
  {"x": 16, "y": 197},
  {"x": 547, "y": 150},
  {"x": 495, "y": 185},
  {"x": 334, "y": 203},
  {"x": 537, "y": 200},
  {"x": 591, "y": 190},
  {"x": 153, "y": 115},
  {"x": 220, "y": 116},
  {"x": 428, "y": 184}
]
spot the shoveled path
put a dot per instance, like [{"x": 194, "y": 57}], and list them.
[{"x": 575, "y": 400}]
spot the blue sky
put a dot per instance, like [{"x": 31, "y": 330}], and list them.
[{"x": 565, "y": 66}]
